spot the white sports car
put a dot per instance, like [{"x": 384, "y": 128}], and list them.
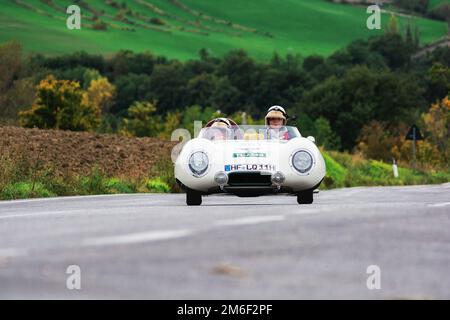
[{"x": 249, "y": 161}]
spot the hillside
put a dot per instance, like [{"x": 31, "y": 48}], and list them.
[
  {"x": 179, "y": 28},
  {"x": 435, "y": 3}
]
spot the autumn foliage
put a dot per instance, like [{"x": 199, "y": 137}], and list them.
[
  {"x": 381, "y": 142},
  {"x": 61, "y": 104}
]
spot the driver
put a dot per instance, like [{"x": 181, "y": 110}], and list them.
[
  {"x": 276, "y": 119},
  {"x": 219, "y": 129}
]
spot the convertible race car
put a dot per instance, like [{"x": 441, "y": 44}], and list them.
[{"x": 249, "y": 161}]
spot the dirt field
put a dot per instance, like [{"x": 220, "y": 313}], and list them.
[{"x": 80, "y": 152}]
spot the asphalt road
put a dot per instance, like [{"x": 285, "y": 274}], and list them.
[{"x": 154, "y": 246}]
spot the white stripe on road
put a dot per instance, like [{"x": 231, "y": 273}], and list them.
[
  {"x": 8, "y": 202},
  {"x": 37, "y": 214},
  {"x": 443, "y": 204},
  {"x": 137, "y": 237},
  {"x": 249, "y": 220},
  {"x": 10, "y": 252}
]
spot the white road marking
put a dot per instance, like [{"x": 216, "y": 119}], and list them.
[
  {"x": 443, "y": 204},
  {"x": 36, "y": 214},
  {"x": 137, "y": 237},
  {"x": 7, "y": 202},
  {"x": 10, "y": 252},
  {"x": 249, "y": 220},
  {"x": 316, "y": 210}
]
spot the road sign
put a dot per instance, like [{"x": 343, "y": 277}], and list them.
[{"x": 414, "y": 133}]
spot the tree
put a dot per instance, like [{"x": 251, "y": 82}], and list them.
[
  {"x": 77, "y": 73},
  {"x": 100, "y": 94},
  {"x": 241, "y": 71},
  {"x": 420, "y": 6},
  {"x": 20, "y": 96},
  {"x": 141, "y": 120},
  {"x": 200, "y": 89},
  {"x": 88, "y": 76},
  {"x": 393, "y": 48},
  {"x": 240, "y": 117},
  {"x": 225, "y": 96},
  {"x": 59, "y": 105},
  {"x": 73, "y": 60},
  {"x": 438, "y": 77},
  {"x": 427, "y": 155},
  {"x": 197, "y": 113},
  {"x": 171, "y": 123},
  {"x": 168, "y": 86},
  {"x": 376, "y": 142},
  {"x": 125, "y": 62},
  {"x": 409, "y": 35},
  {"x": 131, "y": 87},
  {"x": 437, "y": 125},
  {"x": 393, "y": 25},
  {"x": 325, "y": 136},
  {"x": 362, "y": 95},
  {"x": 10, "y": 63},
  {"x": 311, "y": 62}
]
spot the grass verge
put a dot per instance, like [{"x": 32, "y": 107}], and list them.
[
  {"x": 348, "y": 170},
  {"x": 24, "y": 177}
]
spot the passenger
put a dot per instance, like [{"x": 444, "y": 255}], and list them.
[
  {"x": 276, "y": 119},
  {"x": 219, "y": 129}
]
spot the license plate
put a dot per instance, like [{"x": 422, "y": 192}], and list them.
[{"x": 249, "y": 167}]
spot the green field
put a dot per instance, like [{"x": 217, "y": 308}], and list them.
[
  {"x": 435, "y": 3},
  {"x": 261, "y": 27}
]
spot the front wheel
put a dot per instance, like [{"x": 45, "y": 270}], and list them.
[
  {"x": 193, "y": 198},
  {"x": 305, "y": 197}
]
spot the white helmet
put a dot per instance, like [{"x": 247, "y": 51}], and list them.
[
  {"x": 217, "y": 121},
  {"x": 276, "y": 112}
]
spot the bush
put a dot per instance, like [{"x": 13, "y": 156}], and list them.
[
  {"x": 22, "y": 190},
  {"x": 60, "y": 105},
  {"x": 157, "y": 185},
  {"x": 94, "y": 183},
  {"x": 350, "y": 170},
  {"x": 99, "y": 25},
  {"x": 115, "y": 185},
  {"x": 157, "y": 21},
  {"x": 336, "y": 173},
  {"x": 371, "y": 173},
  {"x": 164, "y": 169},
  {"x": 142, "y": 120}
]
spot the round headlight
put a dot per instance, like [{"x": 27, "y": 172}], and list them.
[
  {"x": 198, "y": 162},
  {"x": 302, "y": 161}
]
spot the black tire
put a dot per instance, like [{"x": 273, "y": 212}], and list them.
[
  {"x": 305, "y": 197},
  {"x": 193, "y": 198}
]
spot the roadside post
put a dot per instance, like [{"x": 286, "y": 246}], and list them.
[
  {"x": 414, "y": 134},
  {"x": 394, "y": 168}
]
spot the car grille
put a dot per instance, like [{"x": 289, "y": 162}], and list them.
[{"x": 249, "y": 179}]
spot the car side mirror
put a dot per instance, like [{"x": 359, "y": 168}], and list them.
[{"x": 311, "y": 138}]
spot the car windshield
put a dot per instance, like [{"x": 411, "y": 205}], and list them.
[{"x": 249, "y": 132}]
